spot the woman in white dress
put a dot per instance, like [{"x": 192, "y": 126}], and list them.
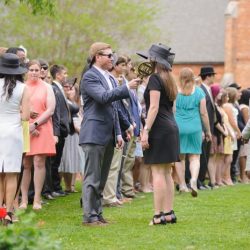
[
  {"x": 13, "y": 99},
  {"x": 232, "y": 114}
]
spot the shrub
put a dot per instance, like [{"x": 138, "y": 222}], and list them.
[{"x": 27, "y": 236}]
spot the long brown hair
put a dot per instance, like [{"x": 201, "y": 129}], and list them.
[
  {"x": 221, "y": 97},
  {"x": 168, "y": 80},
  {"x": 232, "y": 94},
  {"x": 186, "y": 81},
  {"x": 10, "y": 84}
]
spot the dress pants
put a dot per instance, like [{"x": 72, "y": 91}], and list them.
[
  {"x": 187, "y": 169},
  {"x": 127, "y": 181},
  {"x": 55, "y": 163},
  {"x": 204, "y": 161},
  {"x": 233, "y": 168},
  {"x": 118, "y": 188},
  {"x": 47, "y": 187},
  {"x": 98, "y": 160},
  {"x": 109, "y": 192}
]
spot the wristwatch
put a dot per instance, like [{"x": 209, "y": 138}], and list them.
[{"x": 36, "y": 124}]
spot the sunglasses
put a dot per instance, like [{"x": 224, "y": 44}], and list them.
[
  {"x": 111, "y": 55},
  {"x": 68, "y": 87},
  {"x": 44, "y": 67}
]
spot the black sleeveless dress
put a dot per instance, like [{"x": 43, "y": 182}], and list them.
[{"x": 164, "y": 146}]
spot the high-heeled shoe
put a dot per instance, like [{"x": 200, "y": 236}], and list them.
[
  {"x": 194, "y": 190},
  {"x": 7, "y": 219},
  {"x": 162, "y": 220},
  {"x": 173, "y": 217}
]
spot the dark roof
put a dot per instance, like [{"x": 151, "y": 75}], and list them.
[{"x": 194, "y": 29}]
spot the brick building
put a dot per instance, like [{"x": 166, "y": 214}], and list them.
[
  {"x": 214, "y": 32},
  {"x": 237, "y": 42}
]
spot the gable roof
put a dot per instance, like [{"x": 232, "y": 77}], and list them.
[{"x": 195, "y": 29}]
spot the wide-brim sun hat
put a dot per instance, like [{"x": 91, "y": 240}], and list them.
[
  {"x": 159, "y": 53},
  {"x": 10, "y": 65}
]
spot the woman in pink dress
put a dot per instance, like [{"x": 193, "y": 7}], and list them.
[{"x": 42, "y": 142}]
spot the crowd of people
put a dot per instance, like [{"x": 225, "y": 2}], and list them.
[{"x": 119, "y": 130}]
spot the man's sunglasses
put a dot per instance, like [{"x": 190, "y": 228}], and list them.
[
  {"x": 44, "y": 67},
  {"x": 111, "y": 55}
]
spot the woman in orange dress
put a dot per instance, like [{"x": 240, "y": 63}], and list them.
[{"x": 42, "y": 142}]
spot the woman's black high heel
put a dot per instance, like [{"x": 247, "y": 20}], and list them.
[
  {"x": 8, "y": 219},
  {"x": 158, "y": 216},
  {"x": 173, "y": 217}
]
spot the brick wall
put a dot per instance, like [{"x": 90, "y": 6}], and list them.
[
  {"x": 218, "y": 68},
  {"x": 237, "y": 41}
]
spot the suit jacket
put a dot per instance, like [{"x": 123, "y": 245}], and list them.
[
  {"x": 240, "y": 119},
  {"x": 210, "y": 110},
  {"x": 100, "y": 115},
  {"x": 124, "y": 116},
  {"x": 61, "y": 116},
  {"x": 134, "y": 109}
]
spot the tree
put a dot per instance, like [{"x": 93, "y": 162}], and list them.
[
  {"x": 65, "y": 38},
  {"x": 37, "y": 6}
]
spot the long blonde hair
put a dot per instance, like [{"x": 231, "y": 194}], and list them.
[
  {"x": 168, "y": 80},
  {"x": 186, "y": 81}
]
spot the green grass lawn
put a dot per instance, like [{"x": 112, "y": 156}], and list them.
[{"x": 217, "y": 219}]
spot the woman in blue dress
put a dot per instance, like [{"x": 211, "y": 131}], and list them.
[{"x": 190, "y": 113}]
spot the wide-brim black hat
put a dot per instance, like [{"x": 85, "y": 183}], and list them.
[
  {"x": 234, "y": 85},
  {"x": 10, "y": 65},
  {"x": 207, "y": 70},
  {"x": 159, "y": 53}
]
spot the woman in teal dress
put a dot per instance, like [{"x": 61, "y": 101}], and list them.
[{"x": 190, "y": 113}]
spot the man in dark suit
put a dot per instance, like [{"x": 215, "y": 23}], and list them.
[
  {"x": 99, "y": 129},
  {"x": 207, "y": 75},
  {"x": 61, "y": 120}
]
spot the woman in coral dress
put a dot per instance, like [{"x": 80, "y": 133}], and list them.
[{"x": 42, "y": 142}]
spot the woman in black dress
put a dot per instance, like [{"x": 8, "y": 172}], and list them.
[{"x": 160, "y": 137}]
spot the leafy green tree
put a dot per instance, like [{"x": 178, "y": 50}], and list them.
[
  {"x": 37, "y": 6},
  {"x": 65, "y": 38}
]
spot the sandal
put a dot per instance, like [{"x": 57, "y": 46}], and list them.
[
  {"x": 23, "y": 206},
  {"x": 158, "y": 216},
  {"x": 7, "y": 219},
  {"x": 173, "y": 217},
  {"x": 37, "y": 206},
  {"x": 183, "y": 189}
]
